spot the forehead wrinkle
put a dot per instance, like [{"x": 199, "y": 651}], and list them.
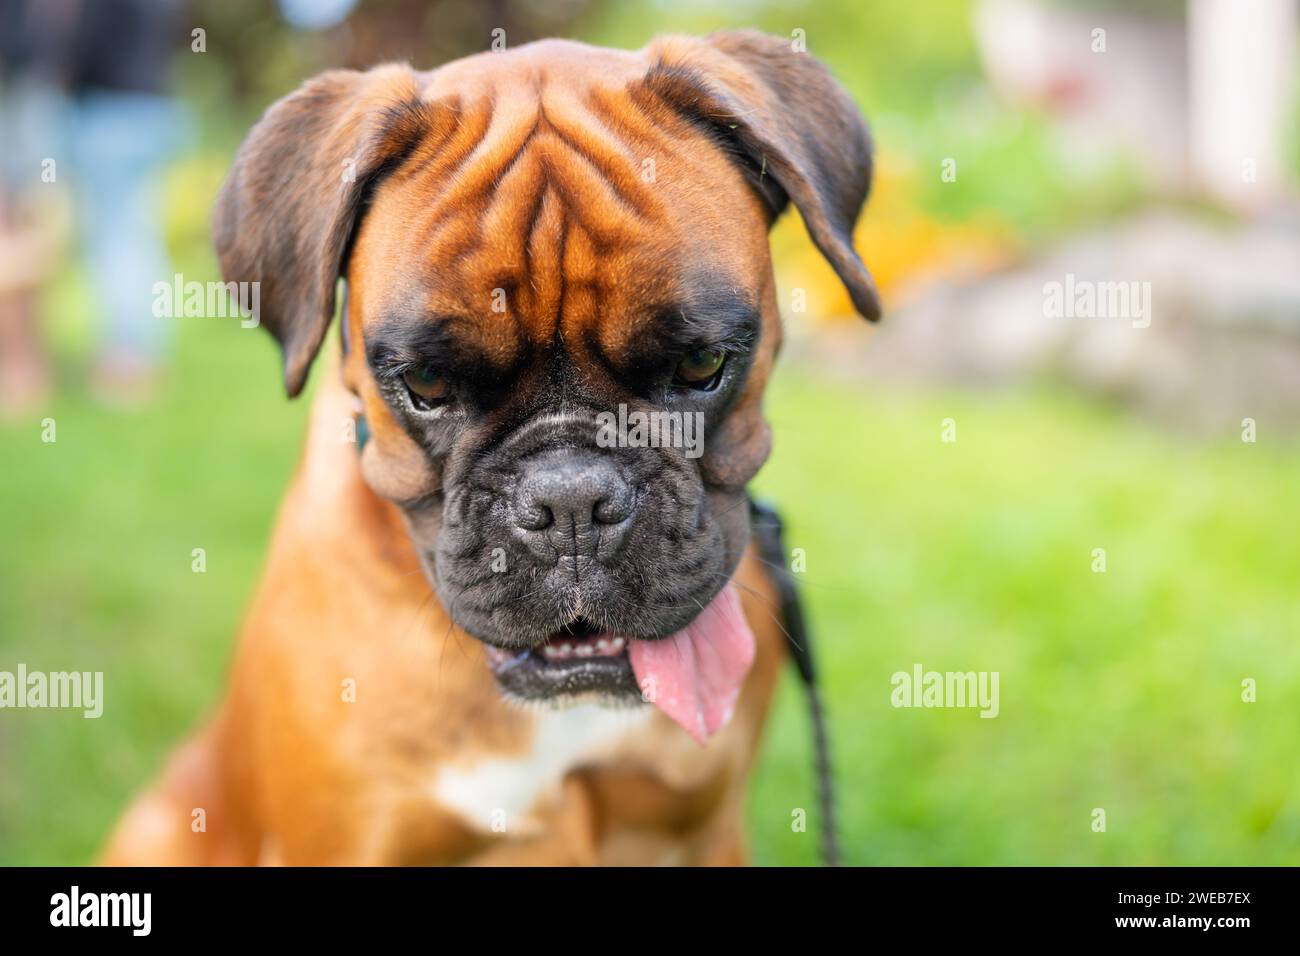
[
  {"x": 444, "y": 161},
  {"x": 588, "y": 195},
  {"x": 488, "y": 243},
  {"x": 598, "y": 175},
  {"x": 611, "y": 159},
  {"x": 486, "y": 176},
  {"x": 446, "y": 119},
  {"x": 513, "y": 118},
  {"x": 521, "y": 188},
  {"x": 626, "y": 117},
  {"x": 548, "y": 235},
  {"x": 430, "y": 216},
  {"x": 539, "y": 190}
]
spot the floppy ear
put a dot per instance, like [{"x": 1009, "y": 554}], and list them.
[
  {"x": 796, "y": 132},
  {"x": 288, "y": 208}
]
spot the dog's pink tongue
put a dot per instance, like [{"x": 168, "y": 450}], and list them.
[{"x": 694, "y": 676}]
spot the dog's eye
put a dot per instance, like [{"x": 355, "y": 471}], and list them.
[
  {"x": 427, "y": 387},
  {"x": 699, "y": 369}
]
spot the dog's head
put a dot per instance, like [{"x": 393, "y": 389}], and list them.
[{"x": 560, "y": 314}]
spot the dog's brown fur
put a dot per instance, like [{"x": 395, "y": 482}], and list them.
[{"x": 520, "y": 171}]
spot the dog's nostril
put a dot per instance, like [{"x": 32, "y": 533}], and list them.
[
  {"x": 601, "y": 513},
  {"x": 534, "y": 517},
  {"x": 613, "y": 509}
]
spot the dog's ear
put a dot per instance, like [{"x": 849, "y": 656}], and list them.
[
  {"x": 289, "y": 206},
  {"x": 793, "y": 128}
]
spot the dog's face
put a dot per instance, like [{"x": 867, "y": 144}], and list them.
[{"x": 561, "y": 315}]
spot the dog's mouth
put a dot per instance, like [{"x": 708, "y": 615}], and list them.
[
  {"x": 578, "y": 660},
  {"x": 694, "y": 676}
]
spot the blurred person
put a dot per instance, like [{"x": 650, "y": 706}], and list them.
[
  {"x": 32, "y": 219},
  {"x": 85, "y": 92}
]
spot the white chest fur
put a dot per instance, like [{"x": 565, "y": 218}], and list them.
[{"x": 499, "y": 794}]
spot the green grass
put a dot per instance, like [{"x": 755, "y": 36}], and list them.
[{"x": 1119, "y": 690}]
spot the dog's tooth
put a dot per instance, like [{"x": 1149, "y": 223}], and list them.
[
  {"x": 602, "y": 645},
  {"x": 585, "y": 650},
  {"x": 617, "y": 643}
]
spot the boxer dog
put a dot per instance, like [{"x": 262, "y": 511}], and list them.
[{"x": 507, "y": 631}]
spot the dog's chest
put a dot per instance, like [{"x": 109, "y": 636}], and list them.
[{"x": 503, "y": 793}]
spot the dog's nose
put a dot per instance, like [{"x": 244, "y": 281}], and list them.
[{"x": 571, "y": 490}]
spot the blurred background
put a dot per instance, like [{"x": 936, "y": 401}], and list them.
[{"x": 949, "y": 474}]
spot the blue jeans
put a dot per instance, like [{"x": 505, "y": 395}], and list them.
[{"x": 119, "y": 144}]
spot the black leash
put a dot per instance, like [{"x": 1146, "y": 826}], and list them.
[{"x": 766, "y": 525}]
